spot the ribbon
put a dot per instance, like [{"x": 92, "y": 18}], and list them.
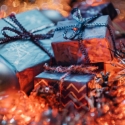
[
  {"x": 77, "y": 30},
  {"x": 73, "y": 69},
  {"x": 22, "y": 33}
]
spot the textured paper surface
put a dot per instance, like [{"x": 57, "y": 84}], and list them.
[
  {"x": 25, "y": 56},
  {"x": 96, "y": 41}
]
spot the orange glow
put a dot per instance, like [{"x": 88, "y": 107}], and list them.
[
  {"x": 95, "y": 2},
  {"x": 25, "y": 110},
  {"x": 35, "y": 109},
  {"x": 17, "y": 6},
  {"x": 19, "y": 106},
  {"x": 2, "y": 14}
]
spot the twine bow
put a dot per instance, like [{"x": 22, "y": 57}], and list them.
[
  {"x": 73, "y": 69},
  {"x": 23, "y": 34},
  {"x": 78, "y": 30},
  {"x": 76, "y": 14}
]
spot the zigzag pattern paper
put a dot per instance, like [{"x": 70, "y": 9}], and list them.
[{"x": 73, "y": 90}]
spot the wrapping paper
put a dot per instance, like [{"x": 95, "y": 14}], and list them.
[
  {"x": 96, "y": 41},
  {"x": 24, "y": 55},
  {"x": 8, "y": 79},
  {"x": 74, "y": 86},
  {"x": 90, "y": 10}
]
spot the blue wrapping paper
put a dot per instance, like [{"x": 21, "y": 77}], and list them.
[{"x": 24, "y": 55}]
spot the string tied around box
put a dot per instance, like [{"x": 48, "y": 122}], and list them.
[
  {"x": 73, "y": 69},
  {"x": 66, "y": 71},
  {"x": 22, "y": 34},
  {"x": 78, "y": 30}
]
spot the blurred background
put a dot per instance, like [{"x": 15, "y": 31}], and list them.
[{"x": 63, "y": 6}]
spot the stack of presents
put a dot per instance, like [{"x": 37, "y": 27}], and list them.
[{"x": 30, "y": 39}]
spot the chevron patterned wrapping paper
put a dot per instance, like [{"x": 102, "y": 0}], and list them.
[{"x": 73, "y": 88}]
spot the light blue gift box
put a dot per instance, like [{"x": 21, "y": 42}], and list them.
[{"x": 23, "y": 55}]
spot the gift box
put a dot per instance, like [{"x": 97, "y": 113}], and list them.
[
  {"x": 91, "y": 10},
  {"x": 23, "y": 55},
  {"x": 73, "y": 89},
  {"x": 97, "y": 42}
]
